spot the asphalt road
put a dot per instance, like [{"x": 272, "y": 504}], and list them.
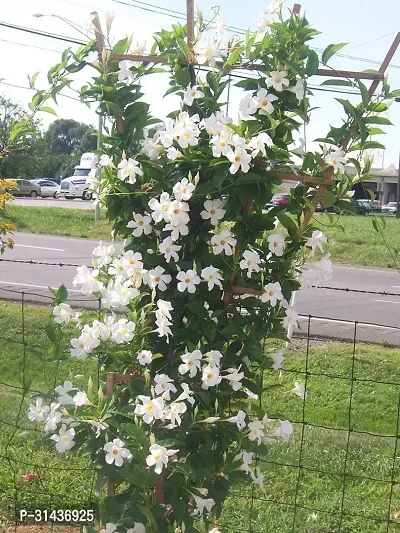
[
  {"x": 333, "y": 312},
  {"x": 77, "y": 203}
]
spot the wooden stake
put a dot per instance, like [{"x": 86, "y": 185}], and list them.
[{"x": 190, "y": 29}]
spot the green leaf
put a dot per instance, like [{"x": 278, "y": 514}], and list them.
[
  {"x": 287, "y": 222},
  {"x": 331, "y": 50},
  {"x": 32, "y": 80},
  {"x": 395, "y": 94},
  {"x": 346, "y": 205},
  {"x": 335, "y": 81},
  {"x": 378, "y": 120},
  {"x": 51, "y": 332},
  {"x": 198, "y": 309},
  {"x": 366, "y": 145},
  {"x": 150, "y": 518},
  {"x": 328, "y": 199},
  {"x": 61, "y": 295},
  {"x": 47, "y": 109},
  {"x": 312, "y": 63},
  {"x": 379, "y": 107},
  {"x": 366, "y": 97},
  {"x": 348, "y": 107},
  {"x": 251, "y": 177}
]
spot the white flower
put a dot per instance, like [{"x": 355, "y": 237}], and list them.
[
  {"x": 128, "y": 169},
  {"x": 223, "y": 242},
  {"x": 80, "y": 399},
  {"x": 138, "y": 527},
  {"x": 164, "y": 385},
  {"x": 234, "y": 377},
  {"x": 239, "y": 420},
  {"x": 258, "y": 144},
  {"x": 144, "y": 357},
  {"x": 202, "y": 504},
  {"x": 220, "y": 144},
  {"x": 206, "y": 50},
  {"x": 291, "y": 319},
  {"x": 250, "y": 394},
  {"x": 239, "y": 159},
  {"x": 247, "y": 459},
  {"x": 212, "y": 276},
  {"x": 299, "y": 390},
  {"x": 158, "y": 279},
  {"x": 213, "y": 358},
  {"x": 284, "y": 431},
  {"x": 278, "y": 359},
  {"x": 151, "y": 409},
  {"x": 192, "y": 92},
  {"x": 174, "y": 412},
  {"x": 62, "y": 392},
  {"x": 152, "y": 148},
  {"x": 316, "y": 240},
  {"x": 183, "y": 190},
  {"x": 63, "y": 313},
  {"x": 317, "y": 272},
  {"x": 140, "y": 224},
  {"x": 125, "y": 74},
  {"x": 173, "y": 153},
  {"x": 106, "y": 161},
  {"x": 250, "y": 262},
  {"x": 220, "y": 24},
  {"x": 336, "y": 160},
  {"x": 258, "y": 477},
  {"x": 159, "y": 457},
  {"x": 78, "y": 349},
  {"x": 110, "y": 528},
  {"x": 187, "y": 281},
  {"x": 53, "y": 418},
  {"x": 299, "y": 89},
  {"x": 169, "y": 249},
  {"x": 65, "y": 439},
  {"x": 160, "y": 208},
  {"x": 178, "y": 213},
  {"x": 191, "y": 363},
  {"x": 278, "y": 80},
  {"x": 169, "y": 134},
  {"x": 210, "y": 377},
  {"x": 163, "y": 309},
  {"x": 188, "y": 136},
  {"x": 177, "y": 230},
  {"x": 265, "y": 100},
  {"x": 38, "y": 411},
  {"x": 256, "y": 431},
  {"x": 86, "y": 279},
  {"x": 163, "y": 328},
  {"x": 273, "y": 293},
  {"x": 122, "y": 331},
  {"x": 92, "y": 57},
  {"x": 312, "y": 517},
  {"x": 214, "y": 530},
  {"x": 276, "y": 244},
  {"x": 275, "y": 7},
  {"x": 187, "y": 394},
  {"x": 213, "y": 211},
  {"x": 131, "y": 261},
  {"x": 116, "y": 453},
  {"x": 248, "y": 106},
  {"x": 263, "y": 23}
]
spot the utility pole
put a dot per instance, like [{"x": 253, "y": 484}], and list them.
[
  {"x": 99, "y": 134},
  {"x": 398, "y": 182}
]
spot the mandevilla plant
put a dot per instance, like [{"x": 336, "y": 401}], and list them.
[{"x": 199, "y": 274}]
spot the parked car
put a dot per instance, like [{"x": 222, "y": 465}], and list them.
[
  {"x": 362, "y": 206},
  {"x": 48, "y": 188},
  {"x": 280, "y": 199},
  {"x": 332, "y": 209},
  {"x": 372, "y": 205},
  {"x": 390, "y": 208},
  {"x": 26, "y": 188}
]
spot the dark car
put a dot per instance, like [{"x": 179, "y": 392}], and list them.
[{"x": 362, "y": 206}]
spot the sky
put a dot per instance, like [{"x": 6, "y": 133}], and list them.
[{"x": 369, "y": 29}]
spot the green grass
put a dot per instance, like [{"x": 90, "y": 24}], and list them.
[
  {"x": 359, "y": 244},
  {"x": 324, "y": 445},
  {"x": 57, "y": 221}
]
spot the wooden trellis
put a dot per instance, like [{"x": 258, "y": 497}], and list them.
[{"x": 322, "y": 182}]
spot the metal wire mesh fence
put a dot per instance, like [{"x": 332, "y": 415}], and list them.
[{"x": 338, "y": 473}]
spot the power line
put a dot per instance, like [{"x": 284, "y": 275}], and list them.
[
  {"x": 30, "y": 89},
  {"x": 31, "y": 46},
  {"x": 42, "y": 33},
  {"x": 372, "y": 40}
]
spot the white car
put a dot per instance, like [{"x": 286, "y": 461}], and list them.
[
  {"x": 389, "y": 208},
  {"x": 48, "y": 188}
]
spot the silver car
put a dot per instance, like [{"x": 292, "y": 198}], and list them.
[
  {"x": 49, "y": 189},
  {"x": 26, "y": 188},
  {"x": 389, "y": 208}
]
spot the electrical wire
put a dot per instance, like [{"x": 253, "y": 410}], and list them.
[
  {"x": 31, "y": 46},
  {"x": 30, "y": 89},
  {"x": 42, "y": 33}
]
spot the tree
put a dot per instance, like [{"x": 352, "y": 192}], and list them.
[
  {"x": 25, "y": 158},
  {"x": 67, "y": 136}
]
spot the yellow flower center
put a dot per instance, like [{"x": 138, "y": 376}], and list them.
[
  {"x": 186, "y": 136},
  {"x": 157, "y": 278},
  {"x": 278, "y": 79},
  {"x": 209, "y": 376},
  {"x": 149, "y": 407},
  {"x": 140, "y": 223},
  {"x": 190, "y": 363},
  {"x": 264, "y": 102},
  {"x": 270, "y": 293},
  {"x": 187, "y": 280},
  {"x": 212, "y": 212},
  {"x": 64, "y": 438},
  {"x": 177, "y": 211},
  {"x": 124, "y": 331},
  {"x": 115, "y": 452},
  {"x": 237, "y": 159},
  {"x": 157, "y": 458},
  {"x": 164, "y": 208},
  {"x": 223, "y": 242}
]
